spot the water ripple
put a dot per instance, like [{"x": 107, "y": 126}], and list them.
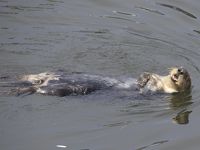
[
  {"x": 151, "y": 10},
  {"x": 116, "y": 17},
  {"x": 124, "y": 13},
  {"x": 152, "y": 145},
  {"x": 178, "y": 9}
]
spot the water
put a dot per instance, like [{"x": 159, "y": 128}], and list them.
[{"x": 112, "y": 37}]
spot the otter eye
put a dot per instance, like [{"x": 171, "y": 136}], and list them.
[{"x": 180, "y": 71}]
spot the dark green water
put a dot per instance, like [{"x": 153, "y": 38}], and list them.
[{"x": 107, "y": 37}]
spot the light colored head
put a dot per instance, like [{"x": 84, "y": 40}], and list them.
[
  {"x": 38, "y": 79},
  {"x": 181, "y": 78}
]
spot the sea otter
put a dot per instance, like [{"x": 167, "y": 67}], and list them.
[{"x": 62, "y": 84}]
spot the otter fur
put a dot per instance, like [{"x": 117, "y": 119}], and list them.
[
  {"x": 178, "y": 80},
  {"x": 61, "y": 84}
]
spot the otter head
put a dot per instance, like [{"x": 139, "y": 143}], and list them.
[
  {"x": 36, "y": 79},
  {"x": 181, "y": 78}
]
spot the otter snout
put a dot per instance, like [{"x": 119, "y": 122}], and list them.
[{"x": 176, "y": 73}]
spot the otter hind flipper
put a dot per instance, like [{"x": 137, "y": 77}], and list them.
[{"x": 23, "y": 91}]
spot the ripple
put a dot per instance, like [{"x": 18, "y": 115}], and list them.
[
  {"x": 8, "y": 13},
  {"x": 124, "y": 13},
  {"x": 197, "y": 31},
  {"x": 157, "y": 39},
  {"x": 151, "y": 10},
  {"x": 16, "y": 43},
  {"x": 116, "y": 17},
  {"x": 116, "y": 124},
  {"x": 152, "y": 145},
  {"x": 100, "y": 31},
  {"x": 56, "y": 1},
  {"x": 189, "y": 55},
  {"x": 27, "y": 8},
  {"x": 178, "y": 9}
]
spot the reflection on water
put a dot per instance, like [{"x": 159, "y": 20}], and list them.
[
  {"x": 181, "y": 102},
  {"x": 182, "y": 117},
  {"x": 178, "y": 104}
]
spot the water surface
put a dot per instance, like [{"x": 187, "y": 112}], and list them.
[{"x": 110, "y": 38}]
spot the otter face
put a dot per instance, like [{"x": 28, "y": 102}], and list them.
[
  {"x": 181, "y": 78},
  {"x": 34, "y": 79},
  {"x": 37, "y": 79}
]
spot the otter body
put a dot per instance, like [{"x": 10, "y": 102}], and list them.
[
  {"x": 76, "y": 84},
  {"x": 62, "y": 84}
]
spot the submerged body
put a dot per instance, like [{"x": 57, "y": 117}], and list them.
[{"x": 62, "y": 84}]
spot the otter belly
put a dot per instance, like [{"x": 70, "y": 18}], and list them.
[
  {"x": 70, "y": 89},
  {"x": 82, "y": 84}
]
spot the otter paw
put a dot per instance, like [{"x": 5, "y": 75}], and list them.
[{"x": 143, "y": 79}]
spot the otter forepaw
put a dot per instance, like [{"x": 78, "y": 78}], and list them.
[{"x": 143, "y": 79}]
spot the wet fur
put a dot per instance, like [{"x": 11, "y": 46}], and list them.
[
  {"x": 166, "y": 84},
  {"x": 58, "y": 84},
  {"x": 50, "y": 83}
]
